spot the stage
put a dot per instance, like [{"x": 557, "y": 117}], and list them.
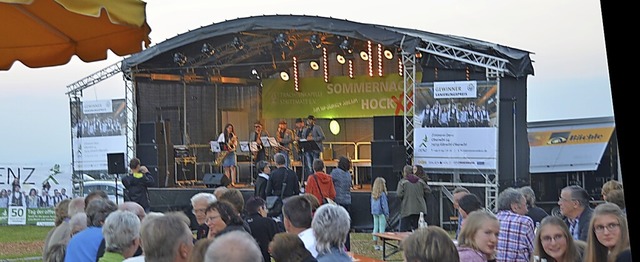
[{"x": 178, "y": 199}]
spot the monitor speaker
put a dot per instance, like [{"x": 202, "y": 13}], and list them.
[
  {"x": 215, "y": 180},
  {"x": 115, "y": 163}
]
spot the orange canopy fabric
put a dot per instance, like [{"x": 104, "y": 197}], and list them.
[{"x": 41, "y": 33}]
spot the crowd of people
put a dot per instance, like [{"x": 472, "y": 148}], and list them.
[{"x": 315, "y": 225}]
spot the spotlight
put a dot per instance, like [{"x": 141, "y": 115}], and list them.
[
  {"x": 364, "y": 55},
  {"x": 179, "y": 58},
  {"x": 284, "y": 76},
  {"x": 346, "y": 46},
  {"x": 419, "y": 55},
  {"x": 254, "y": 74},
  {"x": 341, "y": 59},
  {"x": 237, "y": 43},
  {"x": 388, "y": 54},
  {"x": 207, "y": 49},
  {"x": 280, "y": 40},
  {"x": 315, "y": 41},
  {"x": 314, "y": 65}
]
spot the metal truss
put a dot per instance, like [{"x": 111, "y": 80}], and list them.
[
  {"x": 97, "y": 77},
  {"x": 495, "y": 69},
  {"x": 466, "y": 56},
  {"x": 75, "y": 91}
]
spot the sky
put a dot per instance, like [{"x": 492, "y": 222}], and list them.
[{"x": 566, "y": 39}]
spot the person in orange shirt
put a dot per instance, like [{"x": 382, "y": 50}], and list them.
[{"x": 320, "y": 183}]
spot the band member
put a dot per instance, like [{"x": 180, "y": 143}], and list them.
[
  {"x": 299, "y": 134},
  {"x": 228, "y": 152},
  {"x": 285, "y": 137},
  {"x": 313, "y": 133},
  {"x": 259, "y": 132}
]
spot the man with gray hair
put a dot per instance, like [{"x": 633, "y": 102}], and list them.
[
  {"x": 535, "y": 212},
  {"x": 237, "y": 246},
  {"x": 331, "y": 224},
  {"x": 517, "y": 232},
  {"x": 121, "y": 232},
  {"x": 199, "y": 204},
  {"x": 84, "y": 246},
  {"x": 167, "y": 238},
  {"x": 574, "y": 206}
]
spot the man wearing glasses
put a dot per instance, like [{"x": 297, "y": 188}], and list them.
[
  {"x": 199, "y": 204},
  {"x": 574, "y": 206}
]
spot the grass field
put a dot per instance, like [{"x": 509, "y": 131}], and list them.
[
  {"x": 27, "y": 241},
  {"x": 22, "y": 241}
]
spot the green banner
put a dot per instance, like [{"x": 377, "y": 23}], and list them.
[
  {"x": 41, "y": 216},
  {"x": 342, "y": 97}
]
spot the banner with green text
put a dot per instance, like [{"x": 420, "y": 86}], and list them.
[
  {"x": 30, "y": 192},
  {"x": 342, "y": 97}
]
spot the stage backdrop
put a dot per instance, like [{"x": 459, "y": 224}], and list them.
[
  {"x": 455, "y": 125},
  {"x": 342, "y": 97},
  {"x": 29, "y": 192}
]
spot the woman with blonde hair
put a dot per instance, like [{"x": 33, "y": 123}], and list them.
[
  {"x": 478, "y": 238},
  {"x": 554, "y": 242},
  {"x": 379, "y": 208},
  {"x": 608, "y": 234}
]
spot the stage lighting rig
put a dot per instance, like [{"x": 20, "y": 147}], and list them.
[
  {"x": 207, "y": 50},
  {"x": 179, "y": 58}
]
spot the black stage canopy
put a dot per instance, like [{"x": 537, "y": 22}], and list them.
[{"x": 233, "y": 48}]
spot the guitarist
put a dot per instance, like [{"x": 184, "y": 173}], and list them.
[{"x": 285, "y": 137}]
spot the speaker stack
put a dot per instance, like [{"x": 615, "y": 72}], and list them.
[
  {"x": 388, "y": 154},
  {"x": 213, "y": 180},
  {"x": 155, "y": 151}
]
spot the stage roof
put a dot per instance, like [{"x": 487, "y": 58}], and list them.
[
  {"x": 260, "y": 51},
  {"x": 568, "y": 145}
]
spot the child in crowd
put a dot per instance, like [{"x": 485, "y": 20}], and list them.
[{"x": 379, "y": 208}]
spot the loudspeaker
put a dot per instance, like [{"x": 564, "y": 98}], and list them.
[
  {"x": 115, "y": 163},
  {"x": 215, "y": 180},
  {"x": 154, "y": 133},
  {"x": 388, "y": 128},
  {"x": 398, "y": 157},
  {"x": 161, "y": 158},
  {"x": 382, "y": 153},
  {"x": 391, "y": 177}
]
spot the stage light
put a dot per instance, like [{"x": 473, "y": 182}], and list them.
[
  {"x": 280, "y": 40},
  {"x": 341, "y": 59},
  {"x": 207, "y": 49},
  {"x": 388, "y": 54},
  {"x": 237, "y": 43},
  {"x": 334, "y": 126},
  {"x": 314, "y": 65},
  {"x": 284, "y": 76},
  {"x": 179, "y": 58},
  {"x": 255, "y": 74},
  {"x": 346, "y": 46},
  {"x": 418, "y": 55},
  {"x": 315, "y": 41},
  {"x": 364, "y": 55}
]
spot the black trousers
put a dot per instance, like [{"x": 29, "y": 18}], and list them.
[{"x": 409, "y": 223}]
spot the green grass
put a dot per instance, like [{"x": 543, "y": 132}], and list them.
[
  {"x": 22, "y": 241},
  {"x": 23, "y": 233}
]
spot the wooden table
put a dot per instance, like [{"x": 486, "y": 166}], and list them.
[{"x": 391, "y": 240}]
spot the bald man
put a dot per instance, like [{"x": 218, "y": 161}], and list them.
[{"x": 133, "y": 207}]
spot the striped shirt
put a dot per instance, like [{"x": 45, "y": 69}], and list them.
[{"x": 515, "y": 241}]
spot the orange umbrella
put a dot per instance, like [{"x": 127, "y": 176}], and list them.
[{"x": 41, "y": 33}]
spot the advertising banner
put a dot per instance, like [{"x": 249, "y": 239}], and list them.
[
  {"x": 455, "y": 125},
  {"x": 30, "y": 192},
  {"x": 342, "y": 97},
  {"x": 99, "y": 129}
]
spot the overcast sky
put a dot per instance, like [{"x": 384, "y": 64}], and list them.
[{"x": 566, "y": 38}]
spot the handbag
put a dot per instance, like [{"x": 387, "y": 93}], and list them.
[{"x": 325, "y": 200}]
